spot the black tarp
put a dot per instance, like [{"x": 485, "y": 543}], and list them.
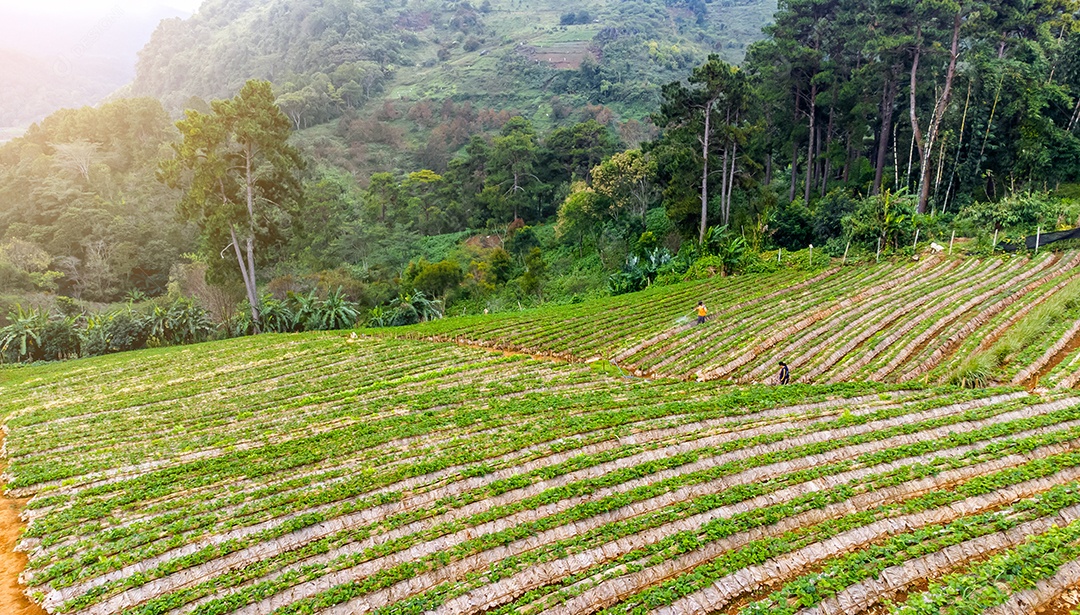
[{"x": 1044, "y": 239}]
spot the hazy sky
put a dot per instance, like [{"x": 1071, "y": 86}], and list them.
[{"x": 103, "y": 7}]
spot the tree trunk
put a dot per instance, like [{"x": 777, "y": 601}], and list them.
[
  {"x": 724, "y": 180},
  {"x": 926, "y": 149},
  {"x": 845, "y": 175},
  {"x": 888, "y": 105},
  {"x": 731, "y": 181},
  {"x": 705, "y": 172},
  {"x": 826, "y": 164},
  {"x": 249, "y": 278},
  {"x": 810, "y": 146},
  {"x": 794, "y": 169},
  {"x": 794, "y": 155}
]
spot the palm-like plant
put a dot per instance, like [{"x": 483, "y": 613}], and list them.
[
  {"x": 188, "y": 323},
  {"x": 337, "y": 312},
  {"x": 420, "y": 307},
  {"x": 277, "y": 316},
  {"x": 306, "y": 311},
  {"x": 380, "y": 317},
  {"x": 22, "y": 338}
]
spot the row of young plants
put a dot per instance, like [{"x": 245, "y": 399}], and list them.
[
  {"x": 840, "y": 341},
  {"x": 585, "y": 329},
  {"x": 247, "y": 378},
  {"x": 1011, "y": 354},
  {"x": 704, "y": 576},
  {"x": 990, "y": 583},
  {"x": 679, "y": 460},
  {"x": 779, "y": 332},
  {"x": 883, "y": 339},
  {"x": 888, "y": 292},
  {"x": 317, "y": 472},
  {"x": 925, "y": 327},
  {"x": 895, "y": 321},
  {"x": 695, "y": 346},
  {"x": 601, "y": 536},
  {"x": 970, "y": 363}
]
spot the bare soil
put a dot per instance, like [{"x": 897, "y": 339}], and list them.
[
  {"x": 1063, "y": 604},
  {"x": 12, "y": 599}
]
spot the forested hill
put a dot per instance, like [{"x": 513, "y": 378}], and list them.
[{"x": 328, "y": 57}]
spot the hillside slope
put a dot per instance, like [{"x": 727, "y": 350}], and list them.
[
  {"x": 1006, "y": 320},
  {"x": 330, "y": 57},
  {"x": 337, "y": 474}
]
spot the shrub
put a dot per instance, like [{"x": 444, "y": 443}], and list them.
[
  {"x": 183, "y": 322},
  {"x": 60, "y": 339}
]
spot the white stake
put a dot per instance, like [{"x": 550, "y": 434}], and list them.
[
  {"x": 916, "y": 239},
  {"x": 811, "y": 255},
  {"x": 951, "y": 239},
  {"x": 1038, "y": 236},
  {"x": 845, "y": 253},
  {"x": 779, "y": 253},
  {"x": 993, "y": 246},
  {"x": 877, "y": 257}
]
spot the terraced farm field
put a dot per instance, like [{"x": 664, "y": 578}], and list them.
[
  {"x": 921, "y": 321},
  {"x": 334, "y": 474}
]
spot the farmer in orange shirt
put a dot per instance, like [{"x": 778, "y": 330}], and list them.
[{"x": 701, "y": 312}]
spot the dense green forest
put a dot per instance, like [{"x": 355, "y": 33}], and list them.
[{"x": 402, "y": 163}]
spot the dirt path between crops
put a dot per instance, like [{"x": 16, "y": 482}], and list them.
[{"x": 12, "y": 599}]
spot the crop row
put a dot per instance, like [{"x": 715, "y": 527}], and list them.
[
  {"x": 339, "y": 474},
  {"x": 888, "y": 323}
]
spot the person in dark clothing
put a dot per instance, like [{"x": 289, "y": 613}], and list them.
[
  {"x": 784, "y": 377},
  {"x": 701, "y": 312}
]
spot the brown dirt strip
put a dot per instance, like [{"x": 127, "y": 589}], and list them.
[
  {"x": 12, "y": 563},
  {"x": 1063, "y": 604},
  {"x": 722, "y": 371},
  {"x": 956, "y": 339},
  {"x": 916, "y": 346},
  {"x": 1065, "y": 346}
]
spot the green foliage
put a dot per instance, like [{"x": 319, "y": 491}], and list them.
[
  {"x": 239, "y": 176},
  {"x": 536, "y": 274},
  {"x": 887, "y": 218},
  {"x": 639, "y": 271},
  {"x": 433, "y": 279},
  {"x": 21, "y": 339},
  {"x": 180, "y": 322},
  {"x": 82, "y": 213},
  {"x": 1023, "y": 212},
  {"x": 406, "y": 309}
]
